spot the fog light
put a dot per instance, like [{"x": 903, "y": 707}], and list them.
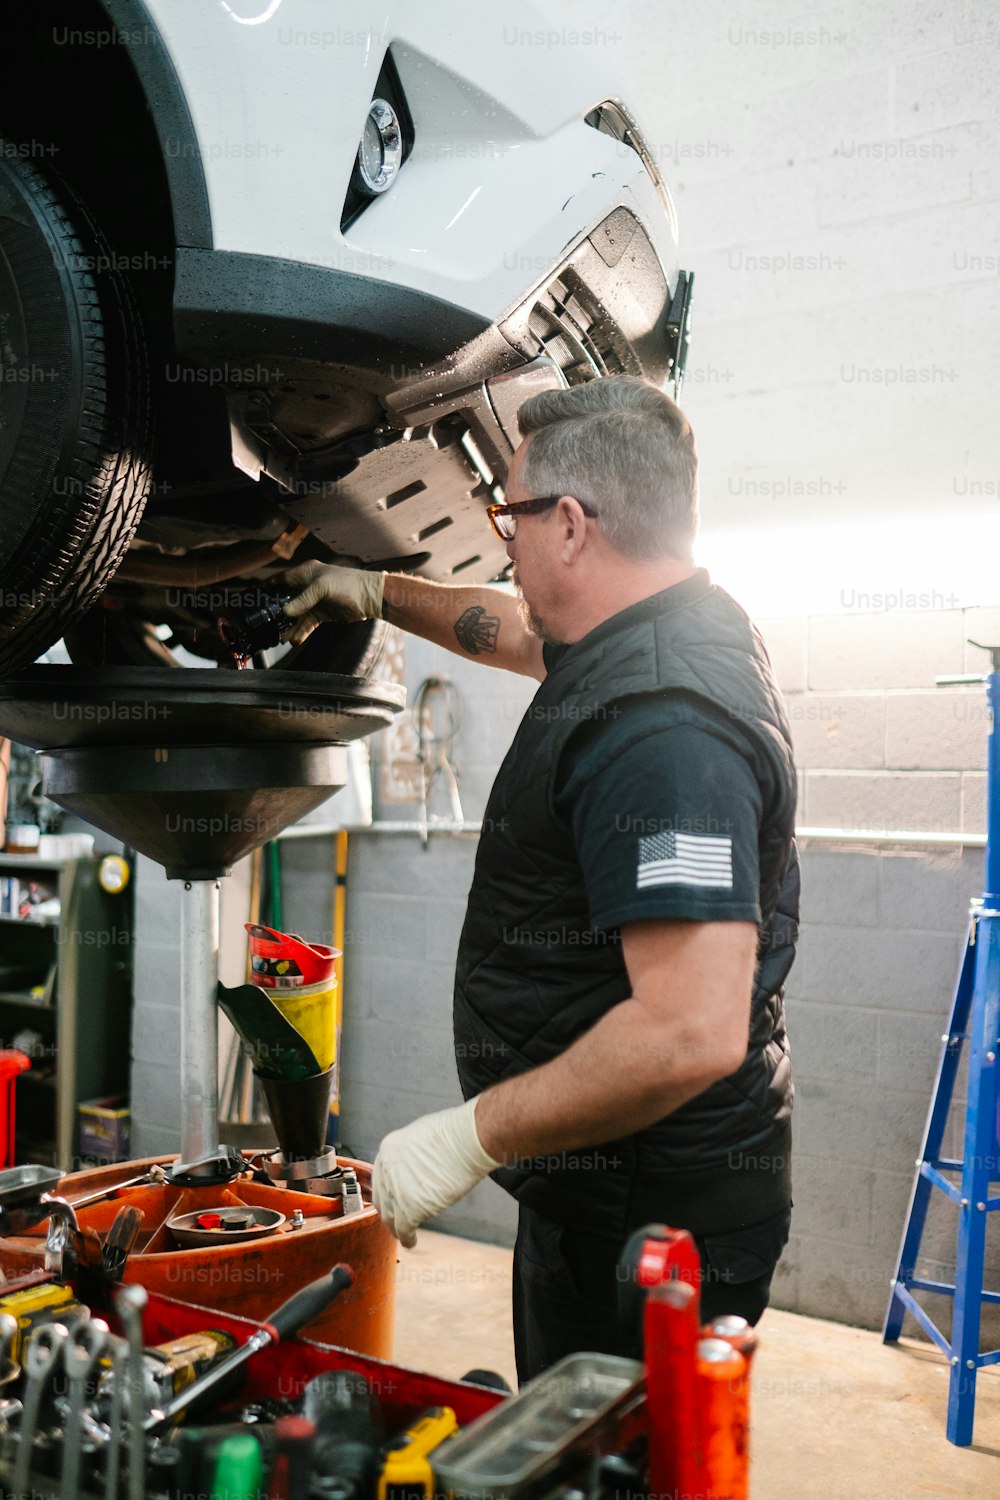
[{"x": 381, "y": 150}]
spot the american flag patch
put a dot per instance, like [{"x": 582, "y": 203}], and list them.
[{"x": 685, "y": 859}]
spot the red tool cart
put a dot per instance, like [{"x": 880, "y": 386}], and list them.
[{"x": 278, "y": 1416}]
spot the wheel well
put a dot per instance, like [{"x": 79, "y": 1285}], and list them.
[
  {"x": 90, "y": 91},
  {"x": 90, "y": 94},
  {"x": 76, "y": 108}
]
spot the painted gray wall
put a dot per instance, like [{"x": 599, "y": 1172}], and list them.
[
  {"x": 877, "y": 744},
  {"x": 868, "y": 999},
  {"x": 834, "y": 170}
]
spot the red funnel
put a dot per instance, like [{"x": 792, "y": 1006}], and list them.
[{"x": 281, "y": 959}]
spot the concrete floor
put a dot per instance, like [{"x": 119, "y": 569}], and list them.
[{"x": 836, "y": 1414}]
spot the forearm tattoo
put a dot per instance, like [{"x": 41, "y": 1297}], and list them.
[{"x": 477, "y": 631}]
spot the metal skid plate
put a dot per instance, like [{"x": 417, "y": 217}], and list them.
[{"x": 386, "y": 512}]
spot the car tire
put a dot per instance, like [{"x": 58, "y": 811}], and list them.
[{"x": 75, "y": 411}]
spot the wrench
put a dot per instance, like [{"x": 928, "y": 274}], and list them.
[
  {"x": 119, "y": 1373},
  {"x": 40, "y": 1356},
  {"x": 155, "y": 1174},
  {"x": 84, "y": 1348},
  {"x": 130, "y": 1302}
]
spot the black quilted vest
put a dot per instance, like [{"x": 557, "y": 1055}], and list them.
[{"x": 722, "y": 1161}]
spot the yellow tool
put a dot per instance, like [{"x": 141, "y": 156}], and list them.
[
  {"x": 49, "y": 1303},
  {"x": 406, "y": 1470}
]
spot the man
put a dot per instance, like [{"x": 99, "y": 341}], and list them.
[{"x": 618, "y": 1013}]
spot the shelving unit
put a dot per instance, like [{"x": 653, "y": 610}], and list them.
[{"x": 82, "y": 961}]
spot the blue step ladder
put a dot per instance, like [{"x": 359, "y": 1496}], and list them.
[{"x": 975, "y": 1020}]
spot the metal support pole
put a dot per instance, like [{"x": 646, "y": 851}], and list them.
[
  {"x": 992, "y": 892},
  {"x": 199, "y": 1021}
]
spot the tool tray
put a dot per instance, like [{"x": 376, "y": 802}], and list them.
[{"x": 282, "y": 1370}]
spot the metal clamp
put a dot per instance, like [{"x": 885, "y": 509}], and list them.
[{"x": 280, "y": 1170}]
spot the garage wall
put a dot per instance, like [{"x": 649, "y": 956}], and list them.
[
  {"x": 868, "y": 999},
  {"x": 877, "y": 744},
  {"x": 834, "y": 165}
]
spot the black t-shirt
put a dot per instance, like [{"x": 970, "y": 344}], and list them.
[{"x": 665, "y": 812}]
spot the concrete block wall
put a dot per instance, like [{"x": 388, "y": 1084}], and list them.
[
  {"x": 405, "y": 906},
  {"x": 490, "y": 704},
  {"x": 834, "y": 166},
  {"x": 868, "y": 998},
  {"x": 878, "y": 746}
]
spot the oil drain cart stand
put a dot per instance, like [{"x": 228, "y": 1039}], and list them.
[
  {"x": 975, "y": 1020},
  {"x": 193, "y": 768}
]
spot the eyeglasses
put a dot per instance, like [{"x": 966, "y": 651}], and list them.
[{"x": 503, "y": 518}]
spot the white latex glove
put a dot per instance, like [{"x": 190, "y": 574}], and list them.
[
  {"x": 324, "y": 592},
  {"x": 426, "y": 1167}
]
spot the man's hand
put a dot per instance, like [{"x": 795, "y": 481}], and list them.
[
  {"x": 426, "y": 1167},
  {"x": 478, "y": 624},
  {"x": 323, "y": 593}
]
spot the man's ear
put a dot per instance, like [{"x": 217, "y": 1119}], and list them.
[{"x": 574, "y": 524}]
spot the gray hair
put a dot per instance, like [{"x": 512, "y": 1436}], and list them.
[{"x": 623, "y": 446}]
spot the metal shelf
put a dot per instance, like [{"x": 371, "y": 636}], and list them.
[
  {"x": 86, "y": 1011},
  {"x": 31, "y": 862}
]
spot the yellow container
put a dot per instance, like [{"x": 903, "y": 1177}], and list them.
[{"x": 312, "y": 1010}]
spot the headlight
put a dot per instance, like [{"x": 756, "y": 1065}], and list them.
[{"x": 381, "y": 150}]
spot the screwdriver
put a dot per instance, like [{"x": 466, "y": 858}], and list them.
[
  {"x": 300, "y": 1309},
  {"x": 120, "y": 1241}
]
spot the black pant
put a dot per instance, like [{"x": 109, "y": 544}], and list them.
[{"x": 566, "y": 1287}]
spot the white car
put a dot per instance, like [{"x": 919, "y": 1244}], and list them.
[{"x": 275, "y": 276}]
